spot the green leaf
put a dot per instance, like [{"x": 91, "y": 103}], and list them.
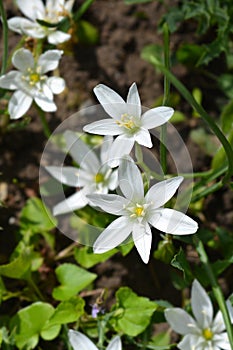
[
  {"x": 73, "y": 279},
  {"x": 87, "y": 33},
  {"x": 189, "y": 54},
  {"x": 220, "y": 159},
  {"x": 86, "y": 258},
  {"x": 20, "y": 267},
  {"x": 36, "y": 218},
  {"x": 161, "y": 339},
  {"x": 68, "y": 311},
  {"x": 134, "y": 312},
  {"x": 180, "y": 262},
  {"x": 165, "y": 251},
  {"x": 29, "y": 322}
]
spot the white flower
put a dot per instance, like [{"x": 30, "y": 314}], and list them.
[
  {"x": 204, "y": 332},
  {"x": 53, "y": 12},
  {"x": 80, "y": 342},
  {"x": 93, "y": 175},
  {"x": 127, "y": 121},
  {"x": 31, "y": 83},
  {"x": 137, "y": 212}
]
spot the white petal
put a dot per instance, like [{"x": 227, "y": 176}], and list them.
[
  {"x": 112, "y": 103},
  {"x": 115, "y": 344},
  {"x": 172, "y": 221},
  {"x": 31, "y": 9},
  {"x": 104, "y": 127},
  {"x": 9, "y": 80},
  {"x": 49, "y": 60},
  {"x": 45, "y": 104},
  {"x": 222, "y": 341},
  {"x": 23, "y": 59},
  {"x": 218, "y": 325},
  {"x": 58, "y": 37},
  {"x": 161, "y": 192},
  {"x": 121, "y": 146},
  {"x": 201, "y": 305},
  {"x": 81, "y": 153},
  {"x": 76, "y": 201},
  {"x": 66, "y": 175},
  {"x": 113, "y": 235},
  {"x": 104, "y": 151},
  {"x": 156, "y": 117},
  {"x": 133, "y": 101},
  {"x": 180, "y": 321},
  {"x": 130, "y": 181},
  {"x": 79, "y": 341},
  {"x": 34, "y": 30},
  {"x": 111, "y": 203},
  {"x": 143, "y": 138},
  {"x": 113, "y": 180},
  {"x": 17, "y": 24},
  {"x": 142, "y": 239},
  {"x": 68, "y": 5},
  {"x": 19, "y": 104},
  {"x": 56, "y": 84},
  {"x": 191, "y": 342}
]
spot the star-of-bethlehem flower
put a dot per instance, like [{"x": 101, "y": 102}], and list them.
[
  {"x": 202, "y": 332},
  {"x": 80, "y": 342},
  {"x": 53, "y": 12},
  {"x": 137, "y": 211},
  {"x": 31, "y": 83},
  {"x": 127, "y": 121},
  {"x": 93, "y": 175}
]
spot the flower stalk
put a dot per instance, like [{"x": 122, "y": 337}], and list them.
[
  {"x": 215, "y": 287},
  {"x": 5, "y": 38},
  {"x": 163, "y": 135}
]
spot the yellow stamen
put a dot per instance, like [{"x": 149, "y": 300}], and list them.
[
  {"x": 127, "y": 121},
  {"x": 207, "y": 334},
  {"x": 34, "y": 78},
  {"x": 99, "y": 178}
]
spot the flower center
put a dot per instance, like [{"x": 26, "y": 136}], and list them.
[
  {"x": 99, "y": 178},
  {"x": 34, "y": 78},
  {"x": 127, "y": 121},
  {"x": 207, "y": 334},
  {"x": 137, "y": 212}
]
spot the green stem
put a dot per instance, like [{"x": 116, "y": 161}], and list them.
[
  {"x": 163, "y": 135},
  {"x": 5, "y": 38},
  {"x": 35, "y": 288},
  {"x": 186, "y": 94},
  {"x": 101, "y": 326},
  {"x": 215, "y": 287},
  {"x": 82, "y": 9},
  {"x": 44, "y": 122}
]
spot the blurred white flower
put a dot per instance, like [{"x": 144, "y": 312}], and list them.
[
  {"x": 53, "y": 12},
  {"x": 93, "y": 175},
  {"x": 204, "y": 332},
  {"x": 127, "y": 121},
  {"x": 80, "y": 342},
  {"x": 31, "y": 83},
  {"x": 137, "y": 212}
]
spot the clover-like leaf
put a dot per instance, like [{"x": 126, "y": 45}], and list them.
[
  {"x": 72, "y": 279},
  {"x": 134, "y": 312}
]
